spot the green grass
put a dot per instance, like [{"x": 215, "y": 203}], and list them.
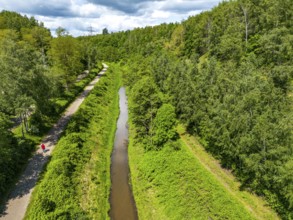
[
  {"x": 181, "y": 189},
  {"x": 256, "y": 205},
  {"x": 76, "y": 183},
  {"x": 95, "y": 180},
  {"x": 171, "y": 184}
]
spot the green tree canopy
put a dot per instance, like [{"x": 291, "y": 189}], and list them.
[
  {"x": 145, "y": 103},
  {"x": 164, "y": 125}
]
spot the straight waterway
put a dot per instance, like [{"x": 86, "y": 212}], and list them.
[{"x": 121, "y": 198}]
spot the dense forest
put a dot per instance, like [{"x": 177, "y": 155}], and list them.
[
  {"x": 228, "y": 74},
  {"x": 225, "y": 74},
  {"x": 38, "y": 79}
]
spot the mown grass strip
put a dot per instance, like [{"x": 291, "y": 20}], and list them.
[
  {"x": 256, "y": 205},
  {"x": 76, "y": 182}
]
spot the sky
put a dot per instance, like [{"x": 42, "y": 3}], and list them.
[{"x": 84, "y": 17}]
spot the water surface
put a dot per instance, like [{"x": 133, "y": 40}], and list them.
[{"x": 121, "y": 198}]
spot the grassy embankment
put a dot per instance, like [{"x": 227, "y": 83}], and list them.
[
  {"x": 188, "y": 184},
  {"x": 76, "y": 182},
  {"x": 257, "y": 206}
]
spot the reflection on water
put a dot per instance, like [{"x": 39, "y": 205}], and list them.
[{"x": 121, "y": 198}]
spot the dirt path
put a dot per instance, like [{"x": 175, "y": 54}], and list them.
[
  {"x": 18, "y": 201},
  {"x": 255, "y": 205}
]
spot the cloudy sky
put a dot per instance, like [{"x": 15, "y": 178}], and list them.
[{"x": 81, "y": 16}]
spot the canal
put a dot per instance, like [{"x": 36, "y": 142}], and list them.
[{"x": 121, "y": 198}]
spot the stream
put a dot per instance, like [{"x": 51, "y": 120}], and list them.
[{"x": 121, "y": 198}]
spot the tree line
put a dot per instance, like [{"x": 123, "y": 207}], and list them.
[
  {"x": 38, "y": 78},
  {"x": 228, "y": 75}
]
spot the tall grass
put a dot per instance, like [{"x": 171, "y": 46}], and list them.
[
  {"x": 174, "y": 185},
  {"x": 76, "y": 182},
  {"x": 171, "y": 183},
  {"x": 257, "y": 205}
]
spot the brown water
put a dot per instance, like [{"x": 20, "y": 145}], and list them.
[{"x": 121, "y": 198}]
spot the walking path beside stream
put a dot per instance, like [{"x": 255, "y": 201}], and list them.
[{"x": 19, "y": 198}]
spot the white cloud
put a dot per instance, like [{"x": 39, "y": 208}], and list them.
[
  {"x": 88, "y": 10},
  {"x": 158, "y": 14},
  {"x": 116, "y": 15}
]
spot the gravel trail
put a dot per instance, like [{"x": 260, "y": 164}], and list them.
[{"x": 19, "y": 198}]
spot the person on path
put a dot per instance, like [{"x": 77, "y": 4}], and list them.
[{"x": 43, "y": 147}]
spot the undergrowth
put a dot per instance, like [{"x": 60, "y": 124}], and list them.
[
  {"x": 180, "y": 187},
  {"x": 14, "y": 161},
  {"x": 76, "y": 182}
]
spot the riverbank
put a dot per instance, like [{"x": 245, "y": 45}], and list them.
[
  {"x": 177, "y": 184},
  {"x": 174, "y": 184},
  {"x": 76, "y": 182}
]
